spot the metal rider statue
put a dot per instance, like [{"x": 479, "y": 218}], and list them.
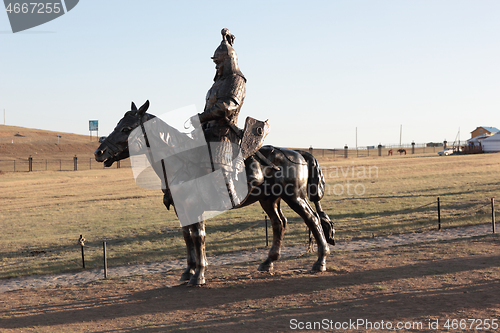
[{"x": 222, "y": 107}]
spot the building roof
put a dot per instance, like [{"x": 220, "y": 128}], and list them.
[
  {"x": 479, "y": 138},
  {"x": 491, "y": 138},
  {"x": 489, "y": 129}
]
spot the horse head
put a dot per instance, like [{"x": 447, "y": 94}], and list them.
[{"x": 116, "y": 146}]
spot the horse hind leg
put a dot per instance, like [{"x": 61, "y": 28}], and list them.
[
  {"x": 326, "y": 224},
  {"x": 278, "y": 222},
  {"x": 302, "y": 207}
]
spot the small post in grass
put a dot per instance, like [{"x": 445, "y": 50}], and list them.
[
  {"x": 105, "y": 260},
  {"x": 439, "y": 215},
  {"x": 493, "y": 214},
  {"x": 81, "y": 241}
]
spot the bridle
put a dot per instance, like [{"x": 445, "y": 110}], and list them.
[{"x": 112, "y": 148}]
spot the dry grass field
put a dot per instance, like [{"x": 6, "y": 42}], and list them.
[{"x": 44, "y": 212}]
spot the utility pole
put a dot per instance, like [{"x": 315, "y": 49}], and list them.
[
  {"x": 356, "y": 138},
  {"x": 400, "y": 134}
]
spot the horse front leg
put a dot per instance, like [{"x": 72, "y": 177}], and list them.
[
  {"x": 198, "y": 239},
  {"x": 191, "y": 254},
  {"x": 278, "y": 222}
]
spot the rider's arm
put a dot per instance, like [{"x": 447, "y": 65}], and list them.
[{"x": 223, "y": 108}]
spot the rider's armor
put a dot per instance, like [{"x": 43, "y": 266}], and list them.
[{"x": 222, "y": 107}]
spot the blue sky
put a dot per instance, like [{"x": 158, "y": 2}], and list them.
[{"x": 317, "y": 69}]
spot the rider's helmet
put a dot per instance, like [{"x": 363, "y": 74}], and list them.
[
  {"x": 225, "y": 49},
  {"x": 226, "y": 56}
]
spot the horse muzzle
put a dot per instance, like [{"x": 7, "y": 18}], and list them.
[{"x": 102, "y": 155}]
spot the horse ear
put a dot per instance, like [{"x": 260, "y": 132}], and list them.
[
  {"x": 133, "y": 107},
  {"x": 144, "y": 107}
]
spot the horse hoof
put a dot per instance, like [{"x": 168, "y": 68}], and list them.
[
  {"x": 318, "y": 267},
  {"x": 264, "y": 267},
  {"x": 196, "y": 281},
  {"x": 186, "y": 275}
]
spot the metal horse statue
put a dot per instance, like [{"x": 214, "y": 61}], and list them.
[{"x": 297, "y": 171}]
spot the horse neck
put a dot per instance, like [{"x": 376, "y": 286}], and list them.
[
  {"x": 160, "y": 134},
  {"x": 163, "y": 141}
]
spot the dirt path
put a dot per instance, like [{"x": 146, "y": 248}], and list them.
[{"x": 38, "y": 281}]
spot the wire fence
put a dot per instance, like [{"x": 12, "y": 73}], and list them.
[
  {"x": 386, "y": 150},
  {"x": 75, "y": 163},
  {"x": 438, "y": 221},
  {"x": 30, "y": 164},
  {"x": 440, "y": 214}
]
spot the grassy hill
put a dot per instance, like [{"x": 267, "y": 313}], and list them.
[{"x": 20, "y": 142}]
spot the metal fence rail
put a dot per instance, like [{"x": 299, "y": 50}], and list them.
[{"x": 55, "y": 164}]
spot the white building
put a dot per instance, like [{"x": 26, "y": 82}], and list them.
[{"x": 491, "y": 144}]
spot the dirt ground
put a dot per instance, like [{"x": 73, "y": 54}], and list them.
[{"x": 415, "y": 286}]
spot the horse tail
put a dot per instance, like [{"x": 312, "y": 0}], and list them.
[
  {"x": 315, "y": 178},
  {"x": 316, "y": 191}
]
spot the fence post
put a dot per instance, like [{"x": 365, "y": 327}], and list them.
[
  {"x": 439, "y": 215},
  {"x": 60, "y": 165},
  {"x": 413, "y": 147},
  {"x": 118, "y": 164},
  {"x": 30, "y": 163},
  {"x": 379, "y": 150},
  {"x": 345, "y": 151},
  {"x": 81, "y": 241},
  {"x": 105, "y": 260},
  {"x": 75, "y": 163},
  {"x": 493, "y": 214}
]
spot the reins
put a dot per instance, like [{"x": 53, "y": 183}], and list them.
[{"x": 150, "y": 153}]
